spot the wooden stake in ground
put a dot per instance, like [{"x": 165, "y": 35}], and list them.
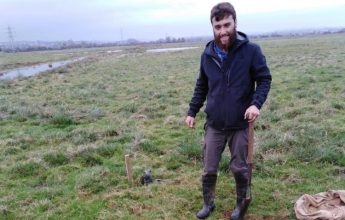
[
  {"x": 250, "y": 159},
  {"x": 129, "y": 168},
  {"x": 250, "y": 144}
]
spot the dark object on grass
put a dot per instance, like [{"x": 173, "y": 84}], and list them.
[{"x": 146, "y": 178}]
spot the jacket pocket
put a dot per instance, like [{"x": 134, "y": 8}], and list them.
[
  {"x": 215, "y": 107},
  {"x": 237, "y": 100}
]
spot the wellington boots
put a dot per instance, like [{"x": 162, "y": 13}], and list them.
[
  {"x": 208, "y": 191},
  {"x": 242, "y": 204},
  {"x": 205, "y": 211},
  {"x": 244, "y": 196}
]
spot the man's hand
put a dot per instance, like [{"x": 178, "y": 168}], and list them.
[
  {"x": 190, "y": 121},
  {"x": 251, "y": 113}
]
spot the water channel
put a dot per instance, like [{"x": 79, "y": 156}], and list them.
[
  {"x": 173, "y": 49},
  {"x": 34, "y": 70}
]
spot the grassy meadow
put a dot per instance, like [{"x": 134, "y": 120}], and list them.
[{"x": 64, "y": 134}]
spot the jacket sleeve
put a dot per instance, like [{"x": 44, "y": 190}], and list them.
[
  {"x": 200, "y": 93},
  {"x": 262, "y": 77}
]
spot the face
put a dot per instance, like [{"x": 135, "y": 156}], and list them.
[{"x": 224, "y": 31}]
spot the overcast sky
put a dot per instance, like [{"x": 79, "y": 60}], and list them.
[{"x": 113, "y": 20}]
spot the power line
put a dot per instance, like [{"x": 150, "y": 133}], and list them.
[{"x": 11, "y": 37}]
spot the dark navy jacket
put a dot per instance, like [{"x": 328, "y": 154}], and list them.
[{"x": 243, "y": 79}]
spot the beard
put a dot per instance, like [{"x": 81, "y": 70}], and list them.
[{"x": 224, "y": 41}]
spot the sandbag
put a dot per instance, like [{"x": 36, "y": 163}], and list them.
[{"x": 322, "y": 206}]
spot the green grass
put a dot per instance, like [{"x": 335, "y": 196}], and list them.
[{"x": 64, "y": 134}]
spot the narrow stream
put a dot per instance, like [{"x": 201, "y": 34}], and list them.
[
  {"x": 36, "y": 69},
  {"x": 159, "y": 50}
]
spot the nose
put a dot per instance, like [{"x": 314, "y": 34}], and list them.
[{"x": 223, "y": 31}]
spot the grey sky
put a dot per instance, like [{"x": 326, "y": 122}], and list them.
[{"x": 105, "y": 20}]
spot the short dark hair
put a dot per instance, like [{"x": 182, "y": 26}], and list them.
[{"x": 222, "y": 10}]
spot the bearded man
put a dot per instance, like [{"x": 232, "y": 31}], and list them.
[{"x": 235, "y": 80}]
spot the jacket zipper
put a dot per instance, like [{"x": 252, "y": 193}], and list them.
[
  {"x": 230, "y": 66},
  {"x": 216, "y": 61},
  {"x": 223, "y": 69}
]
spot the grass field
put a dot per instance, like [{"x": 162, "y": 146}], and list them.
[{"x": 64, "y": 134}]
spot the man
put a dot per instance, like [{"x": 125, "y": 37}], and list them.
[{"x": 229, "y": 69}]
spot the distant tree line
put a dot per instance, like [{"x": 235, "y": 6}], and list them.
[
  {"x": 39, "y": 46},
  {"x": 296, "y": 34},
  {"x": 70, "y": 44},
  {"x": 170, "y": 40}
]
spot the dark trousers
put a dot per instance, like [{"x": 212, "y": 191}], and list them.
[{"x": 214, "y": 145}]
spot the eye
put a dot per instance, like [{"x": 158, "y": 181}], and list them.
[
  {"x": 227, "y": 25},
  {"x": 217, "y": 27}
]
